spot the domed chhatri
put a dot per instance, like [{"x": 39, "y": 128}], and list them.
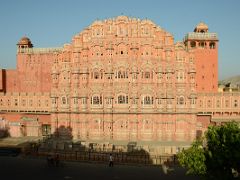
[
  {"x": 201, "y": 27},
  {"x": 25, "y": 42}
]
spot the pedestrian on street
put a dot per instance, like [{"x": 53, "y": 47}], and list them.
[
  {"x": 110, "y": 160},
  {"x": 50, "y": 160}
]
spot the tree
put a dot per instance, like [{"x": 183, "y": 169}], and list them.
[
  {"x": 223, "y": 150},
  {"x": 193, "y": 159},
  {"x": 219, "y": 157}
]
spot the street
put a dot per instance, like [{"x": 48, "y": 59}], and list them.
[{"x": 37, "y": 169}]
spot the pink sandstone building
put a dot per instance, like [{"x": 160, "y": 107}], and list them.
[{"x": 120, "y": 79}]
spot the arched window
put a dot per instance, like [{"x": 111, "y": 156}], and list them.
[
  {"x": 209, "y": 103},
  {"x": 147, "y": 75},
  {"x": 212, "y": 45},
  {"x": 122, "y": 99},
  {"x": 180, "y": 100},
  {"x": 235, "y": 103},
  {"x": 96, "y": 75},
  {"x": 121, "y": 74},
  {"x": 193, "y": 44},
  {"x": 64, "y": 100},
  {"x": 218, "y": 104},
  {"x": 180, "y": 76},
  {"x": 202, "y": 44},
  {"x": 75, "y": 100}
]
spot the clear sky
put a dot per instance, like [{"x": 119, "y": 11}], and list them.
[{"x": 51, "y": 23}]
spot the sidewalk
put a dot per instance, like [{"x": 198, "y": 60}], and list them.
[{"x": 17, "y": 141}]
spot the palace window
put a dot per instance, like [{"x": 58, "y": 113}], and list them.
[
  {"x": 209, "y": 104},
  {"x": 191, "y": 60},
  {"x": 30, "y": 102},
  {"x": 218, "y": 103},
  {"x": 83, "y": 100},
  {"x": 193, "y": 101},
  {"x": 168, "y": 76},
  {"x": 200, "y": 103},
  {"x": 147, "y": 75},
  {"x": 134, "y": 100},
  {"x": 23, "y": 102},
  {"x": 147, "y": 100},
  {"x": 75, "y": 100},
  {"x": 46, "y": 102},
  {"x": 192, "y": 76},
  {"x": 212, "y": 45},
  {"x": 108, "y": 100},
  {"x": 64, "y": 100},
  {"x": 180, "y": 76},
  {"x": 226, "y": 103},
  {"x": 159, "y": 76},
  {"x": 134, "y": 75},
  {"x": 193, "y": 44},
  {"x": 16, "y": 102},
  {"x": 202, "y": 44},
  {"x": 122, "y": 99},
  {"x": 121, "y": 74},
  {"x": 235, "y": 103},
  {"x": 54, "y": 101},
  {"x": 97, "y": 75},
  {"x": 96, "y": 100},
  {"x": 180, "y": 100}
]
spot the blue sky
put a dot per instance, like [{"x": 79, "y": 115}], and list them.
[{"x": 51, "y": 23}]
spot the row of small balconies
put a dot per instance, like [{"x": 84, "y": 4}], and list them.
[{"x": 125, "y": 109}]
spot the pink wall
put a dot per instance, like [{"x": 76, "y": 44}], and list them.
[
  {"x": 207, "y": 69},
  {"x": 34, "y": 72},
  {"x": 12, "y": 83}
]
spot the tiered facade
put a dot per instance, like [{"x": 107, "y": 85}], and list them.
[{"x": 119, "y": 79}]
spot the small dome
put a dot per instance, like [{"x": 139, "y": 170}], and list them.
[
  {"x": 25, "y": 41},
  {"x": 201, "y": 27}
]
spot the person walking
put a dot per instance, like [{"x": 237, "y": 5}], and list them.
[
  {"x": 110, "y": 160},
  {"x": 50, "y": 160},
  {"x": 57, "y": 160}
]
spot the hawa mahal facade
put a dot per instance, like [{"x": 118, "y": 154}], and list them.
[{"x": 119, "y": 79}]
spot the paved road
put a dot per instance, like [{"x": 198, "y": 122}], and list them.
[{"x": 37, "y": 169}]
